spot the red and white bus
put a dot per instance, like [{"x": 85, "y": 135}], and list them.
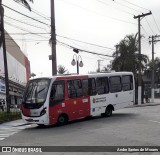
[{"x": 60, "y": 99}]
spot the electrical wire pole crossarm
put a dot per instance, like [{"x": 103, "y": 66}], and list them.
[
  {"x": 142, "y": 15},
  {"x": 139, "y": 64}
]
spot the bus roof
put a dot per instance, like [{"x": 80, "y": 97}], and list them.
[{"x": 76, "y": 76}]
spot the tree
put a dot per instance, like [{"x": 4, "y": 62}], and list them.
[
  {"x": 61, "y": 69},
  {"x": 107, "y": 68},
  {"x": 2, "y": 43},
  {"x": 156, "y": 68},
  {"x": 126, "y": 56}
]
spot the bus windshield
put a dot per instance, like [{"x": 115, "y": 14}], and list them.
[{"x": 36, "y": 91}]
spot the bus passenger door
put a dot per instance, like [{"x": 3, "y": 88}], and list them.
[
  {"x": 78, "y": 105},
  {"x": 116, "y": 95},
  {"x": 128, "y": 89}
]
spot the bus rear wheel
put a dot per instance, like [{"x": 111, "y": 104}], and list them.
[
  {"x": 108, "y": 111},
  {"x": 62, "y": 120}
]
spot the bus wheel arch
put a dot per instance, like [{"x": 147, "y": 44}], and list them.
[
  {"x": 109, "y": 110},
  {"x": 62, "y": 119}
]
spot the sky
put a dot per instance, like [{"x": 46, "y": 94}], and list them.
[{"x": 91, "y": 25}]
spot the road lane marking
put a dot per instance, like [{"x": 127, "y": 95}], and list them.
[
  {"x": 5, "y": 132},
  {"x": 154, "y": 121}
]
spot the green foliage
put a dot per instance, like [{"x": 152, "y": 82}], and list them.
[
  {"x": 25, "y": 3},
  {"x": 6, "y": 117},
  {"x": 127, "y": 56},
  {"x": 61, "y": 69},
  {"x": 156, "y": 68}
]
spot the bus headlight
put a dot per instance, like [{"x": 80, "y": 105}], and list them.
[{"x": 43, "y": 111}]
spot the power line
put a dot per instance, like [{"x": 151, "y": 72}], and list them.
[
  {"x": 25, "y": 15},
  {"x": 121, "y": 20},
  {"x": 24, "y": 22},
  {"x": 149, "y": 25},
  {"x": 23, "y": 29},
  {"x": 28, "y": 33},
  {"x": 114, "y": 7},
  {"x": 86, "y": 42},
  {"x": 156, "y": 23},
  {"x": 25, "y": 39},
  {"x": 144, "y": 30},
  {"x": 136, "y": 5},
  {"x": 35, "y": 11},
  {"x": 71, "y": 47},
  {"x": 127, "y": 6}
]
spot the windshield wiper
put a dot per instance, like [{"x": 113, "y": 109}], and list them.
[{"x": 41, "y": 90}]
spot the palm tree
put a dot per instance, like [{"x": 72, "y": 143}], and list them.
[
  {"x": 126, "y": 56},
  {"x": 2, "y": 43},
  {"x": 61, "y": 69}
]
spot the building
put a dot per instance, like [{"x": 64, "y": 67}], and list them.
[{"x": 18, "y": 70}]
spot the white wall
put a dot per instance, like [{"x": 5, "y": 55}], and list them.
[{"x": 16, "y": 71}]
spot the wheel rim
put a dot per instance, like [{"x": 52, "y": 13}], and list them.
[
  {"x": 61, "y": 119},
  {"x": 108, "y": 111}
]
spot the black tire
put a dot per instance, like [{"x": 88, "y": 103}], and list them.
[
  {"x": 88, "y": 117},
  {"x": 62, "y": 120},
  {"x": 108, "y": 111}
]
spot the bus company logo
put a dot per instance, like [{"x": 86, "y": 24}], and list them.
[
  {"x": 98, "y": 100},
  {"x": 94, "y": 100}
]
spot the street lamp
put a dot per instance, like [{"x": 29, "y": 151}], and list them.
[{"x": 78, "y": 60}]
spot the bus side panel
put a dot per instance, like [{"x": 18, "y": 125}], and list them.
[
  {"x": 54, "y": 112},
  {"x": 73, "y": 108},
  {"x": 78, "y": 107},
  {"x": 99, "y": 104}
]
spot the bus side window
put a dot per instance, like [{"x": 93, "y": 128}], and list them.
[
  {"x": 57, "y": 91},
  {"x": 127, "y": 83},
  {"x": 102, "y": 85},
  {"x": 85, "y": 87},
  {"x": 115, "y": 84},
  {"x": 92, "y": 87},
  {"x": 71, "y": 89},
  {"x": 78, "y": 87}
]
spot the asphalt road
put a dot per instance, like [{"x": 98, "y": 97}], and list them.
[{"x": 138, "y": 126}]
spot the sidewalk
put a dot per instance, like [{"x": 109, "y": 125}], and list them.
[
  {"x": 15, "y": 123},
  {"x": 155, "y": 103}
]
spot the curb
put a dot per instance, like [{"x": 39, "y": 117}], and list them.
[
  {"x": 145, "y": 104},
  {"x": 17, "y": 122}
]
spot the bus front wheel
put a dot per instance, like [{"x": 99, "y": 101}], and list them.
[{"x": 62, "y": 120}]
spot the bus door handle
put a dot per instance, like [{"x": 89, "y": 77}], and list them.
[{"x": 116, "y": 95}]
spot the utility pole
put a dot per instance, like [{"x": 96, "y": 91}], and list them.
[
  {"x": 3, "y": 44},
  {"x": 99, "y": 61},
  {"x": 153, "y": 70},
  {"x": 139, "y": 64},
  {"x": 117, "y": 50},
  {"x": 53, "y": 40}
]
